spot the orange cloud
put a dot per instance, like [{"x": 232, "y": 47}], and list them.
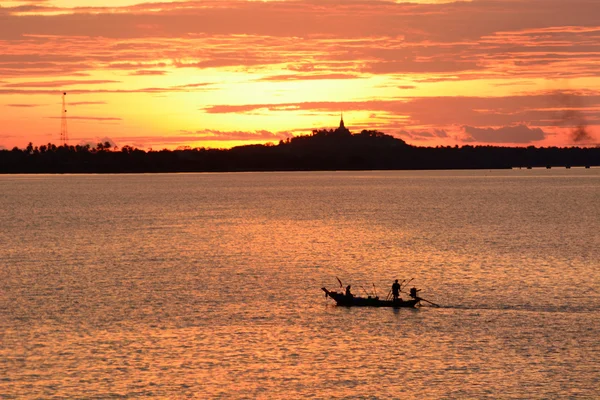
[
  {"x": 55, "y": 84},
  {"x": 505, "y": 134},
  {"x": 262, "y": 135}
]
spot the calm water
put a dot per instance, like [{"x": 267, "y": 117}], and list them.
[{"x": 208, "y": 285}]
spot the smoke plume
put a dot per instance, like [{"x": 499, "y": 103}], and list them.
[{"x": 572, "y": 116}]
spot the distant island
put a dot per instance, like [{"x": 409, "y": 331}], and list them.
[{"x": 323, "y": 150}]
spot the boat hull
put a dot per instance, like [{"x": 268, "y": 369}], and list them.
[{"x": 354, "y": 301}]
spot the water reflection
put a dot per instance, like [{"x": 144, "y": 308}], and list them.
[{"x": 208, "y": 286}]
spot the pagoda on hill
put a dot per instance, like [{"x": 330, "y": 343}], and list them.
[
  {"x": 342, "y": 130},
  {"x": 339, "y": 131}
]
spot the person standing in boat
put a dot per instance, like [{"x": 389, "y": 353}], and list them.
[
  {"x": 396, "y": 290},
  {"x": 348, "y": 293}
]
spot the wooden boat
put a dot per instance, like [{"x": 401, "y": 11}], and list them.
[{"x": 356, "y": 301}]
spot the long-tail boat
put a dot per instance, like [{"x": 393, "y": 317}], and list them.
[{"x": 356, "y": 301}]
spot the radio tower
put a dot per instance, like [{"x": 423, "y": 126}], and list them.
[{"x": 64, "y": 136}]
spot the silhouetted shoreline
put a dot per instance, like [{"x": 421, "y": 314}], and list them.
[{"x": 322, "y": 151}]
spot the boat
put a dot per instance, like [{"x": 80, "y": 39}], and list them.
[{"x": 356, "y": 301}]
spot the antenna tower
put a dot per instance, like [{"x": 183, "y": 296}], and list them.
[{"x": 64, "y": 136}]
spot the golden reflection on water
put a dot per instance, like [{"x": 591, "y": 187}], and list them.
[{"x": 208, "y": 285}]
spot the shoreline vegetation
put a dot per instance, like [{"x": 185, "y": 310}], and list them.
[{"x": 324, "y": 150}]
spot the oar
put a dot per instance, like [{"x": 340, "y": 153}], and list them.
[
  {"x": 420, "y": 298},
  {"x": 338, "y": 279},
  {"x": 411, "y": 279},
  {"x": 433, "y": 304}
]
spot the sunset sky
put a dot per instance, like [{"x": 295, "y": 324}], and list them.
[{"x": 228, "y": 72}]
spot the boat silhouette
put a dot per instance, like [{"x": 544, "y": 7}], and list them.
[{"x": 356, "y": 301}]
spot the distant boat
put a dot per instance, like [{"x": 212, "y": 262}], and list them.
[
  {"x": 587, "y": 167},
  {"x": 357, "y": 301},
  {"x": 568, "y": 167}
]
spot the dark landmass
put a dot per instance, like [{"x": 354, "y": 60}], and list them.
[{"x": 323, "y": 150}]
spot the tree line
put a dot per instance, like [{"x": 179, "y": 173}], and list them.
[{"x": 322, "y": 150}]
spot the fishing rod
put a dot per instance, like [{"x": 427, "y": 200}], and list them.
[
  {"x": 411, "y": 279},
  {"x": 367, "y": 293}
]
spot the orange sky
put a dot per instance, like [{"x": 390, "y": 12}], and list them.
[{"x": 219, "y": 73}]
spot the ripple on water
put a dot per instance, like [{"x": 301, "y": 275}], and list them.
[{"x": 208, "y": 285}]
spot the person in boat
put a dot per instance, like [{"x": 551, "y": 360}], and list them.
[
  {"x": 396, "y": 290},
  {"x": 348, "y": 293},
  {"x": 413, "y": 292}
]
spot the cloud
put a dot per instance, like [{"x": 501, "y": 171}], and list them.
[
  {"x": 420, "y": 67},
  {"x": 85, "y": 103},
  {"x": 194, "y": 137},
  {"x": 313, "y": 106},
  {"x": 374, "y": 37},
  {"x": 260, "y": 135},
  {"x": 509, "y": 134},
  {"x": 192, "y": 87},
  {"x": 424, "y": 135},
  {"x": 514, "y": 83},
  {"x": 526, "y": 118},
  {"x": 535, "y": 109},
  {"x": 308, "y": 77},
  {"x": 304, "y": 18},
  {"x": 90, "y": 118},
  {"x": 119, "y": 65},
  {"x": 24, "y": 105},
  {"x": 55, "y": 84},
  {"x": 148, "y": 72}
]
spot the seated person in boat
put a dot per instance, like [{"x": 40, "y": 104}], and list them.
[
  {"x": 396, "y": 290},
  {"x": 413, "y": 292},
  {"x": 348, "y": 293}
]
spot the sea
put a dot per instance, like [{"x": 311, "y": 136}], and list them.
[{"x": 208, "y": 285}]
